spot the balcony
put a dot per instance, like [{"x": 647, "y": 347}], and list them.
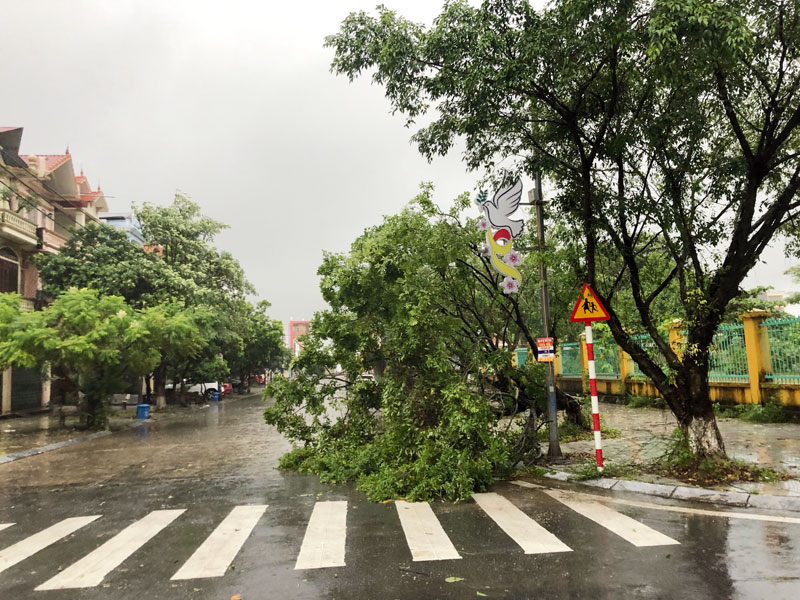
[
  {"x": 49, "y": 241},
  {"x": 17, "y": 229}
]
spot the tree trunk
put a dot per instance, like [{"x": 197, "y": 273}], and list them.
[
  {"x": 572, "y": 408},
  {"x": 696, "y": 414},
  {"x": 96, "y": 411},
  {"x": 183, "y": 392},
  {"x": 160, "y": 384},
  {"x": 704, "y": 437}
]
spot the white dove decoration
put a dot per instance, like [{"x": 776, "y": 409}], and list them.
[
  {"x": 500, "y": 232},
  {"x": 503, "y": 205}
]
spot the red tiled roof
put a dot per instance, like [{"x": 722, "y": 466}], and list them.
[{"x": 52, "y": 161}]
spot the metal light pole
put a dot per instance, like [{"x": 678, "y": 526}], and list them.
[{"x": 535, "y": 196}]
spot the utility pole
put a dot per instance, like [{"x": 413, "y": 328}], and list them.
[{"x": 535, "y": 196}]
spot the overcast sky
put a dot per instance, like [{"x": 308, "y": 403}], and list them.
[{"x": 232, "y": 103}]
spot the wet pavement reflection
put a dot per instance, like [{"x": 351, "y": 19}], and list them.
[{"x": 225, "y": 456}]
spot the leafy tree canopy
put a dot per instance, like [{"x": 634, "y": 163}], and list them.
[
  {"x": 98, "y": 340},
  {"x": 669, "y": 127}
]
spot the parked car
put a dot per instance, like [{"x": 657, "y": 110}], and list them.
[
  {"x": 227, "y": 388},
  {"x": 204, "y": 389}
]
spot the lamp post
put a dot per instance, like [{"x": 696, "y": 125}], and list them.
[{"x": 535, "y": 196}]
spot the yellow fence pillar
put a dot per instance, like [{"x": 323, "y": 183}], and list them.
[
  {"x": 754, "y": 345},
  {"x": 677, "y": 341},
  {"x": 5, "y": 396},
  {"x": 624, "y": 367}
]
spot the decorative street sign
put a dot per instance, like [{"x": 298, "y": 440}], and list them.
[
  {"x": 588, "y": 308},
  {"x": 501, "y": 231},
  {"x": 546, "y": 349}
]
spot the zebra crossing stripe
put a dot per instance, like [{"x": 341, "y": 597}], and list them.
[
  {"x": 217, "y": 552},
  {"x": 92, "y": 568},
  {"x": 5, "y": 526},
  {"x": 323, "y": 544},
  {"x": 424, "y": 534},
  {"x": 625, "y": 527},
  {"x": 527, "y": 533},
  {"x": 39, "y": 541}
]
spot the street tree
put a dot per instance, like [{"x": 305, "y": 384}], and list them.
[
  {"x": 671, "y": 123},
  {"x": 262, "y": 348},
  {"x": 182, "y": 237},
  {"x": 100, "y": 257},
  {"x": 406, "y": 377},
  {"x": 98, "y": 341}
]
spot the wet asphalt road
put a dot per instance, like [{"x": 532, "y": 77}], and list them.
[{"x": 224, "y": 456}]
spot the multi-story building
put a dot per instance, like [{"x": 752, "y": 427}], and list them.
[
  {"x": 297, "y": 329},
  {"x": 125, "y": 222},
  {"x": 41, "y": 200}
]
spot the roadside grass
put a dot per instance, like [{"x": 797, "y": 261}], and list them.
[
  {"x": 769, "y": 412},
  {"x": 633, "y": 401},
  {"x": 588, "y": 470},
  {"x": 571, "y": 432},
  {"x": 677, "y": 462}
]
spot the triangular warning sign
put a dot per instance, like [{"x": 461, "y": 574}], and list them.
[{"x": 588, "y": 307}]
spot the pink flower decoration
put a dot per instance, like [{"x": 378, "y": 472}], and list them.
[
  {"x": 513, "y": 258},
  {"x": 483, "y": 224},
  {"x": 509, "y": 285},
  {"x": 485, "y": 251}
]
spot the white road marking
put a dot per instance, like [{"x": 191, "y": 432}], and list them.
[
  {"x": 39, "y": 541},
  {"x": 424, "y": 534},
  {"x": 698, "y": 511},
  {"x": 532, "y": 537},
  {"x": 323, "y": 544},
  {"x": 92, "y": 568},
  {"x": 680, "y": 509},
  {"x": 627, "y": 528},
  {"x": 217, "y": 552},
  {"x": 5, "y": 526},
  {"x": 527, "y": 484}
]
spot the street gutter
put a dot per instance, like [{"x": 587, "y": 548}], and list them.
[{"x": 678, "y": 492}]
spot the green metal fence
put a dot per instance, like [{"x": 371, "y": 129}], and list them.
[
  {"x": 728, "y": 359},
  {"x": 570, "y": 357},
  {"x": 782, "y": 351},
  {"x": 649, "y": 346},
  {"x": 606, "y": 359}
]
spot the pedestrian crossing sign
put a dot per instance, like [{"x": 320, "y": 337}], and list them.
[{"x": 588, "y": 307}]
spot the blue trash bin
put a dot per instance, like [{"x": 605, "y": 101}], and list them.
[
  {"x": 215, "y": 396},
  {"x": 142, "y": 411}
]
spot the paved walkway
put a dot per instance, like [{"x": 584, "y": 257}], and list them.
[
  {"x": 645, "y": 432},
  {"x": 26, "y": 436}
]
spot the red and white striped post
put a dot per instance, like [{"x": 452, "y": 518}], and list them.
[
  {"x": 598, "y": 444},
  {"x": 588, "y": 308}
]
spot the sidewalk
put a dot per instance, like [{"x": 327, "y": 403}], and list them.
[
  {"x": 644, "y": 437},
  {"x": 26, "y": 436}
]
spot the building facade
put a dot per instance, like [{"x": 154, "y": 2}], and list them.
[
  {"x": 41, "y": 201},
  {"x": 297, "y": 329}
]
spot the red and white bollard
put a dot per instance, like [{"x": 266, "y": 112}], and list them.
[{"x": 598, "y": 444}]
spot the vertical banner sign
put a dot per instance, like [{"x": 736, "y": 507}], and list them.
[
  {"x": 501, "y": 231},
  {"x": 545, "y": 349},
  {"x": 588, "y": 309}
]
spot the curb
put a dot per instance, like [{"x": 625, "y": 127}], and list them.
[
  {"x": 678, "y": 492},
  {"x": 7, "y": 458}
]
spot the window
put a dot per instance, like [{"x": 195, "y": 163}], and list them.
[{"x": 9, "y": 271}]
